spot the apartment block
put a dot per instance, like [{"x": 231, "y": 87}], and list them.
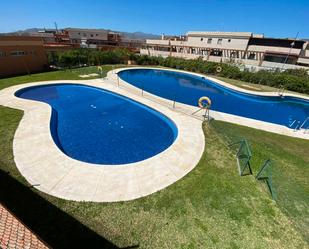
[
  {"x": 21, "y": 54},
  {"x": 93, "y": 38},
  {"x": 251, "y": 50}
]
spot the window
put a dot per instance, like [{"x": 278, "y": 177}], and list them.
[
  {"x": 204, "y": 52},
  {"x": 234, "y": 54},
  {"x": 219, "y": 41},
  {"x": 2, "y": 54},
  {"x": 216, "y": 52},
  {"x": 209, "y": 40},
  {"x": 91, "y": 35},
  {"x": 96, "y": 34},
  {"x": 202, "y": 39},
  {"x": 18, "y": 53},
  {"x": 251, "y": 56}
]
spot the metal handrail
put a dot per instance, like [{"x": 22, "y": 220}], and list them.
[
  {"x": 302, "y": 125},
  {"x": 292, "y": 123},
  {"x": 296, "y": 127}
]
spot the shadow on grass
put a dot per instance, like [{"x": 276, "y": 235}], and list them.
[{"x": 55, "y": 227}]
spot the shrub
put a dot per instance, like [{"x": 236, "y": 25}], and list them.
[{"x": 81, "y": 56}]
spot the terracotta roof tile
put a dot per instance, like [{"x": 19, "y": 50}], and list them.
[{"x": 14, "y": 234}]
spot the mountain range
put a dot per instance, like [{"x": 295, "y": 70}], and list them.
[{"x": 126, "y": 35}]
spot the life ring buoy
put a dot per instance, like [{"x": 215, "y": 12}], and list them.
[
  {"x": 201, "y": 102},
  {"x": 218, "y": 69}
]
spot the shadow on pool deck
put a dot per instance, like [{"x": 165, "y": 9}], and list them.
[{"x": 52, "y": 225}]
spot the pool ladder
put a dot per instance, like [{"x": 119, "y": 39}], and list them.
[
  {"x": 303, "y": 124},
  {"x": 299, "y": 126}
]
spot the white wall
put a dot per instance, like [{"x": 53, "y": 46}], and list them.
[
  {"x": 215, "y": 58},
  {"x": 280, "y": 65},
  {"x": 303, "y": 60},
  {"x": 235, "y": 43},
  {"x": 152, "y": 52},
  {"x": 88, "y": 34},
  {"x": 250, "y": 62},
  {"x": 157, "y": 42},
  {"x": 164, "y": 54}
]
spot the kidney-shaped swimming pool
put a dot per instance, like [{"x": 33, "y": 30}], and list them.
[
  {"x": 187, "y": 88},
  {"x": 97, "y": 126}
]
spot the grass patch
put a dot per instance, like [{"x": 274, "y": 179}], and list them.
[
  {"x": 68, "y": 74},
  {"x": 247, "y": 85},
  {"x": 252, "y": 86},
  {"x": 290, "y": 168},
  {"x": 212, "y": 207}
]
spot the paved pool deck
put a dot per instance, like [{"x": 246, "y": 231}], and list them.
[
  {"x": 49, "y": 170},
  {"x": 190, "y": 110}
]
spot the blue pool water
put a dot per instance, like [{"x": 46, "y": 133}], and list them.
[
  {"x": 97, "y": 126},
  {"x": 187, "y": 88}
]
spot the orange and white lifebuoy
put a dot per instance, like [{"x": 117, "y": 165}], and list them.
[
  {"x": 202, "y": 104},
  {"x": 218, "y": 69}
]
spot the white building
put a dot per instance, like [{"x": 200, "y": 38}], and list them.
[
  {"x": 47, "y": 36},
  {"x": 249, "y": 49},
  {"x": 92, "y": 37},
  {"x": 78, "y": 35}
]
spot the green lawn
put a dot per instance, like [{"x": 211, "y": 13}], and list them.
[
  {"x": 247, "y": 85},
  {"x": 211, "y": 207},
  {"x": 69, "y": 74},
  {"x": 252, "y": 86}
]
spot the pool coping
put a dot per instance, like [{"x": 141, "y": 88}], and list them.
[
  {"x": 49, "y": 170},
  {"x": 253, "y": 123}
]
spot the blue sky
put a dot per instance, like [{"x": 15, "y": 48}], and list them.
[{"x": 273, "y": 18}]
